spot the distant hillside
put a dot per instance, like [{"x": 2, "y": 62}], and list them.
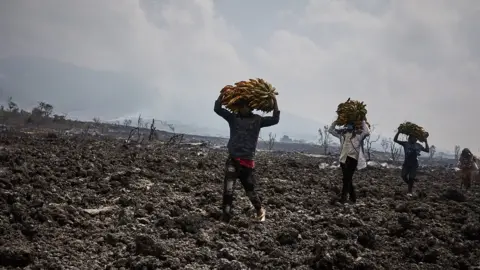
[
  {"x": 87, "y": 93},
  {"x": 79, "y": 91}
]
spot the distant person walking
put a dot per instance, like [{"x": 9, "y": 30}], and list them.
[
  {"x": 244, "y": 131},
  {"x": 467, "y": 163},
  {"x": 412, "y": 150},
  {"x": 352, "y": 156}
]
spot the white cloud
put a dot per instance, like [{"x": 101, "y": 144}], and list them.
[{"x": 409, "y": 60}]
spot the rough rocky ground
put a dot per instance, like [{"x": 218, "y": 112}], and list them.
[{"x": 71, "y": 203}]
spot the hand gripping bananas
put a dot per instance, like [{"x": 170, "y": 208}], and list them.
[
  {"x": 259, "y": 95},
  {"x": 409, "y": 128},
  {"x": 352, "y": 111}
]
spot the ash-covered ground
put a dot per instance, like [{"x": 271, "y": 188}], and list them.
[{"x": 85, "y": 203}]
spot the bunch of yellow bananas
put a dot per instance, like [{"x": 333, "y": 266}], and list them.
[
  {"x": 409, "y": 128},
  {"x": 257, "y": 93},
  {"x": 352, "y": 111}
]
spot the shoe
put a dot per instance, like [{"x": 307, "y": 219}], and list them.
[
  {"x": 260, "y": 216},
  {"x": 226, "y": 218},
  {"x": 352, "y": 199},
  {"x": 227, "y": 214},
  {"x": 409, "y": 194}
]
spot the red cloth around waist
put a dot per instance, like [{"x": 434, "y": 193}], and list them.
[{"x": 246, "y": 163}]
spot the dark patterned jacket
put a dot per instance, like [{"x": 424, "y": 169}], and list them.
[
  {"x": 467, "y": 162},
  {"x": 244, "y": 131}
]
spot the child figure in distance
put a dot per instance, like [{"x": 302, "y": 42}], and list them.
[
  {"x": 467, "y": 163},
  {"x": 351, "y": 155},
  {"x": 244, "y": 131},
  {"x": 412, "y": 150}
]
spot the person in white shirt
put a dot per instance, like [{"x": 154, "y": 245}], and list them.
[{"x": 352, "y": 157}]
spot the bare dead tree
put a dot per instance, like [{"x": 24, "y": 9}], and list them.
[
  {"x": 385, "y": 145},
  {"x": 135, "y": 131},
  {"x": 127, "y": 122},
  {"x": 132, "y": 133},
  {"x": 98, "y": 124},
  {"x": 12, "y": 106},
  {"x": 175, "y": 138},
  {"x": 369, "y": 140},
  {"x": 325, "y": 138},
  {"x": 153, "y": 134},
  {"x": 59, "y": 118},
  {"x": 395, "y": 151},
  {"x": 433, "y": 150},
  {"x": 45, "y": 109},
  {"x": 271, "y": 140},
  {"x": 139, "y": 121},
  {"x": 457, "y": 152},
  {"x": 86, "y": 130}
]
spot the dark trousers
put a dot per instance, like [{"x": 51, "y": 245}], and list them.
[
  {"x": 348, "y": 169},
  {"x": 409, "y": 173},
  {"x": 234, "y": 171},
  {"x": 468, "y": 176}
]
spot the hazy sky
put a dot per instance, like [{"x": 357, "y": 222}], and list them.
[{"x": 407, "y": 59}]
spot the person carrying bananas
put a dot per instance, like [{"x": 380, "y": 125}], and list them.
[
  {"x": 467, "y": 163},
  {"x": 244, "y": 132},
  {"x": 411, "y": 149},
  {"x": 352, "y": 156}
]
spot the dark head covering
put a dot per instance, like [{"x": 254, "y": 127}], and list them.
[
  {"x": 242, "y": 102},
  {"x": 350, "y": 127},
  {"x": 466, "y": 152}
]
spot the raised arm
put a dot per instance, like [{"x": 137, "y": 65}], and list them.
[
  {"x": 395, "y": 139},
  {"x": 365, "y": 130},
  {"x": 426, "y": 149},
  {"x": 221, "y": 111},
  {"x": 268, "y": 121},
  {"x": 333, "y": 131}
]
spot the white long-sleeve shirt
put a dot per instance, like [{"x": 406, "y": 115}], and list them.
[{"x": 352, "y": 147}]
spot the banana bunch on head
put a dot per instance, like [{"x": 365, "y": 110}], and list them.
[
  {"x": 352, "y": 111},
  {"x": 409, "y": 128},
  {"x": 257, "y": 93}
]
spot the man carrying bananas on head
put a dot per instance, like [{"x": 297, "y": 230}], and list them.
[
  {"x": 244, "y": 131},
  {"x": 412, "y": 150}
]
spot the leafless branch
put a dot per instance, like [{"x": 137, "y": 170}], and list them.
[
  {"x": 325, "y": 138},
  {"x": 369, "y": 142},
  {"x": 433, "y": 150},
  {"x": 271, "y": 140},
  {"x": 153, "y": 134},
  {"x": 457, "y": 152},
  {"x": 395, "y": 151}
]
